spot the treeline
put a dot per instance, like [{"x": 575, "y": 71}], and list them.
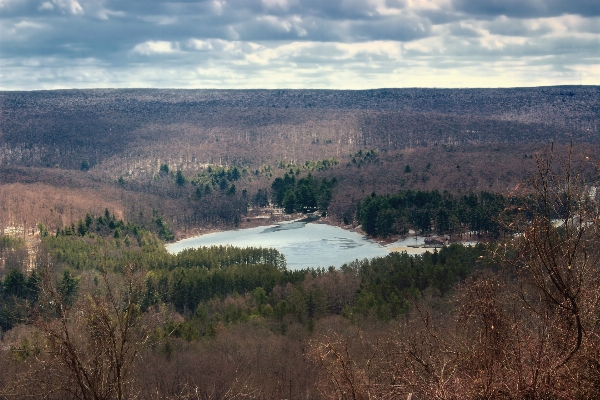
[
  {"x": 110, "y": 253},
  {"x": 71, "y": 127},
  {"x": 382, "y": 288},
  {"x": 108, "y": 225},
  {"x": 305, "y": 195},
  {"x": 225, "y": 284},
  {"x": 221, "y": 284},
  {"x": 217, "y": 176},
  {"x": 389, "y": 284},
  {"x": 186, "y": 288},
  {"x": 432, "y": 211}
]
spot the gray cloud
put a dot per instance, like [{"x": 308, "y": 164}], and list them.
[
  {"x": 295, "y": 43},
  {"x": 528, "y": 8},
  {"x": 516, "y": 27},
  {"x": 459, "y": 30}
]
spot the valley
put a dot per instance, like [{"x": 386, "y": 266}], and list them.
[
  {"x": 87, "y": 150},
  {"x": 106, "y": 292}
]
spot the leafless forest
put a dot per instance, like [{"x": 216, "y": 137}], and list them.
[
  {"x": 104, "y": 148},
  {"x": 93, "y": 182}
]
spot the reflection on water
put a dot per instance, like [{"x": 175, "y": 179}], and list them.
[
  {"x": 344, "y": 243},
  {"x": 303, "y": 245},
  {"x": 285, "y": 227}
]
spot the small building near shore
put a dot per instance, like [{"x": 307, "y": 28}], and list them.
[{"x": 435, "y": 241}]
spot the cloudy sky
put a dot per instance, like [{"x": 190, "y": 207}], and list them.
[{"x": 337, "y": 44}]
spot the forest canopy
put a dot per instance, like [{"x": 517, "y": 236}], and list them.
[{"x": 93, "y": 184}]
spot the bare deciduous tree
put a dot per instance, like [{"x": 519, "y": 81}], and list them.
[
  {"x": 559, "y": 251},
  {"x": 91, "y": 345}
]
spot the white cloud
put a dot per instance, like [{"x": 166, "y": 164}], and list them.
[
  {"x": 46, "y": 6},
  {"x": 282, "y": 4},
  {"x": 426, "y": 47},
  {"x": 159, "y": 19},
  {"x": 6, "y": 4},
  {"x": 298, "y": 43},
  {"x": 198, "y": 44},
  {"x": 69, "y": 6},
  {"x": 28, "y": 25},
  {"x": 155, "y": 47},
  {"x": 216, "y": 6},
  {"x": 224, "y": 47},
  {"x": 20, "y": 31}
]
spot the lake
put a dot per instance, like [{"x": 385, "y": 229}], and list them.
[{"x": 304, "y": 245}]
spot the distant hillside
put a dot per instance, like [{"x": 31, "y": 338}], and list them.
[
  {"x": 68, "y": 152},
  {"x": 252, "y": 127}
]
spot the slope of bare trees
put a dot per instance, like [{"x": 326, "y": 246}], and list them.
[
  {"x": 529, "y": 331},
  {"x": 114, "y": 142},
  {"x": 72, "y": 129}
]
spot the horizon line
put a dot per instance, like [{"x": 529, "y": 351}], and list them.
[{"x": 300, "y": 89}]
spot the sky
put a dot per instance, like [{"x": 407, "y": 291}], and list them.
[{"x": 321, "y": 44}]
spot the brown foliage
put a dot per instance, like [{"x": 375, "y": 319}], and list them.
[
  {"x": 52, "y": 206},
  {"x": 529, "y": 332},
  {"x": 88, "y": 349},
  {"x": 242, "y": 362}
]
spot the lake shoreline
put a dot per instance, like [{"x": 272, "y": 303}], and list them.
[
  {"x": 252, "y": 222},
  {"x": 303, "y": 243},
  {"x": 274, "y": 217},
  {"x": 267, "y": 219}
]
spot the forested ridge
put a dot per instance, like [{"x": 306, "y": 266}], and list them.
[
  {"x": 174, "y": 151},
  {"x": 94, "y": 183}
]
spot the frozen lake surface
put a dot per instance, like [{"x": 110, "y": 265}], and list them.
[{"x": 304, "y": 245}]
